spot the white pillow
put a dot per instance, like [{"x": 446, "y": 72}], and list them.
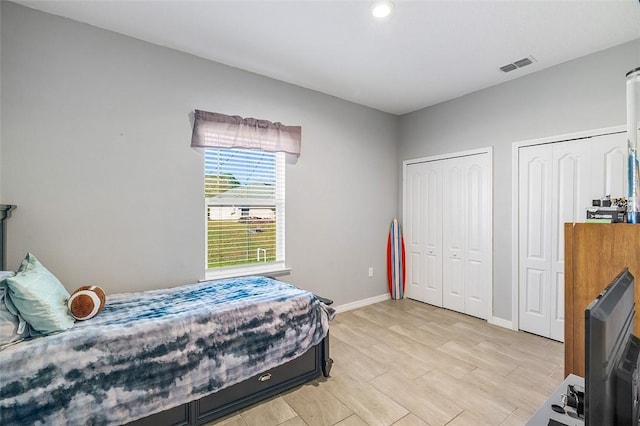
[
  {"x": 12, "y": 328},
  {"x": 6, "y": 274}
]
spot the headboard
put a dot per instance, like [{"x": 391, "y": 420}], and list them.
[{"x": 5, "y": 213}]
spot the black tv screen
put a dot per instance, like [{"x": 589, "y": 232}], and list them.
[{"x": 609, "y": 322}]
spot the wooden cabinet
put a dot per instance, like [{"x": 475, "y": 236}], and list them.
[{"x": 594, "y": 255}]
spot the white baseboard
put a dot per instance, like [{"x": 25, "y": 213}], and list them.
[
  {"x": 500, "y": 322},
  {"x": 360, "y": 303}
]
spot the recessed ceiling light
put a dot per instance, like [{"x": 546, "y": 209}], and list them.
[{"x": 382, "y": 9}]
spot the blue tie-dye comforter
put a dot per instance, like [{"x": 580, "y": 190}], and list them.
[{"x": 150, "y": 351}]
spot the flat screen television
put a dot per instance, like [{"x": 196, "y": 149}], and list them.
[{"x": 611, "y": 356}]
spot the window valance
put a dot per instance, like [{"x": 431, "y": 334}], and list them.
[{"x": 215, "y": 130}]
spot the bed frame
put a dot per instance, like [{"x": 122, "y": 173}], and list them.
[
  {"x": 307, "y": 367},
  {"x": 5, "y": 213},
  {"x": 310, "y": 365}
]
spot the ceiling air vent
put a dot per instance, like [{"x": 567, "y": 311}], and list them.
[
  {"x": 523, "y": 62},
  {"x": 508, "y": 68},
  {"x": 518, "y": 64}
]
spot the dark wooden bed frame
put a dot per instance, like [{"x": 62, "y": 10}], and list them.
[
  {"x": 306, "y": 367},
  {"x": 5, "y": 213}
]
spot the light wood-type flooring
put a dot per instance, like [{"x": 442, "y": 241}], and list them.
[{"x": 402, "y": 362}]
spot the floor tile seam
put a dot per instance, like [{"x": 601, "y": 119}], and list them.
[
  {"x": 355, "y": 411},
  {"x": 513, "y": 399},
  {"x": 303, "y": 419},
  {"x": 475, "y": 361},
  {"x": 414, "y": 414},
  {"x": 510, "y": 416},
  {"x": 421, "y": 387},
  {"x": 508, "y": 377},
  {"x": 466, "y": 406},
  {"x": 343, "y": 401},
  {"x": 394, "y": 400},
  {"x": 416, "y": 339}
]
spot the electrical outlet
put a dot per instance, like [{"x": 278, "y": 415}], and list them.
[{"x": 370, "y": 271}]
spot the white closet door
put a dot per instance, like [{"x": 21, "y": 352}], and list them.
[
  {"x": 609, "y": 166},
  {"x": 413, "y": 231},
  {"x": 478, "y": 236},
  {"x": 534, "y": 209},
  {"x": 571, "y": 195},
  {"x": 424, "y": 236},
  {"x": 454, "y": 200},
  {"x": 466, "y": 241},
  {"x": 448, "y": 232},
  {"x": 433, "y": 233},
  {"x": 557, "y": 182}
]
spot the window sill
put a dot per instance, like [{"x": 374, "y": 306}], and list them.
[{"x": 267, "y": 271}]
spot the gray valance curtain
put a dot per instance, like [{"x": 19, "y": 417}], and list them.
[{"x": 215, "y": 130}]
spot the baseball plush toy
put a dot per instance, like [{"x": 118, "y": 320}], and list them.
[{"x": 86, "y": 302}]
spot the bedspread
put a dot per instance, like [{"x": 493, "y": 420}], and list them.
[{"x": 150, "y": 351}]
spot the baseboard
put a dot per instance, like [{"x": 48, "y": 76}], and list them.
[
  {"x": 361, "y": 303},
  {"x": 500, "y": 322}
]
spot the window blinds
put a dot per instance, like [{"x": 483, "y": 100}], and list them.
[{"x": 245, "y": 199}]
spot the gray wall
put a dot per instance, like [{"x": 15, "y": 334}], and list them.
[
  {"x": 0, "y": 105},
  {"x": 587, "y": 93},
  {"x": 95, "y": 153}
]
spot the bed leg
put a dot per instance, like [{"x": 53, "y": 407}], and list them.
[
  {"x": 326, "y": 367},
  {"x": 327, "y": 362}
]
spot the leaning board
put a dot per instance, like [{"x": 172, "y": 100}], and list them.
[{"x": 395, "y": 260}]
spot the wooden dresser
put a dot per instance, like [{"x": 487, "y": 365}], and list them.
[{"x": 594, "y": 254}]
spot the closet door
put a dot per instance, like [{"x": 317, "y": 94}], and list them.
[
  {"x": 557, "y": 182},
  {"x": 424, "y": 232},
  {"x": 454, "y": 200},
  {"x": 466, "y": 240},
  {"x": 534, "y": 209},
  {"x": 448, "y": 232},
  {"x": 478, "y": 236},
  {"x": 609, "y": 166},
  {"x": 570, "y": 197}
]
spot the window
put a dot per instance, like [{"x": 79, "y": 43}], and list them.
[
  {"x": 244, "y": 191},
  {"x": 245, "y": 202}
]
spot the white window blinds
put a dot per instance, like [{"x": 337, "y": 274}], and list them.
[{"x": 245, "y": 199}]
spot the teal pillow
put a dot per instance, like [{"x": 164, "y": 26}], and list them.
[{"x": 39, "y": 297}]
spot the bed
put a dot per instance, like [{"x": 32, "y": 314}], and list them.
[{"x": 184, "y": 355}]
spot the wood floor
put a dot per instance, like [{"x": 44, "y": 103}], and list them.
[{"x": 407, "y": 363}]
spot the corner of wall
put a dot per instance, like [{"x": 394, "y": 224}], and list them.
[{"x": 501, "y": 322}]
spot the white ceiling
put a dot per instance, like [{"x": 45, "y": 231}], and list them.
[{"x": 427, "y": 51}]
